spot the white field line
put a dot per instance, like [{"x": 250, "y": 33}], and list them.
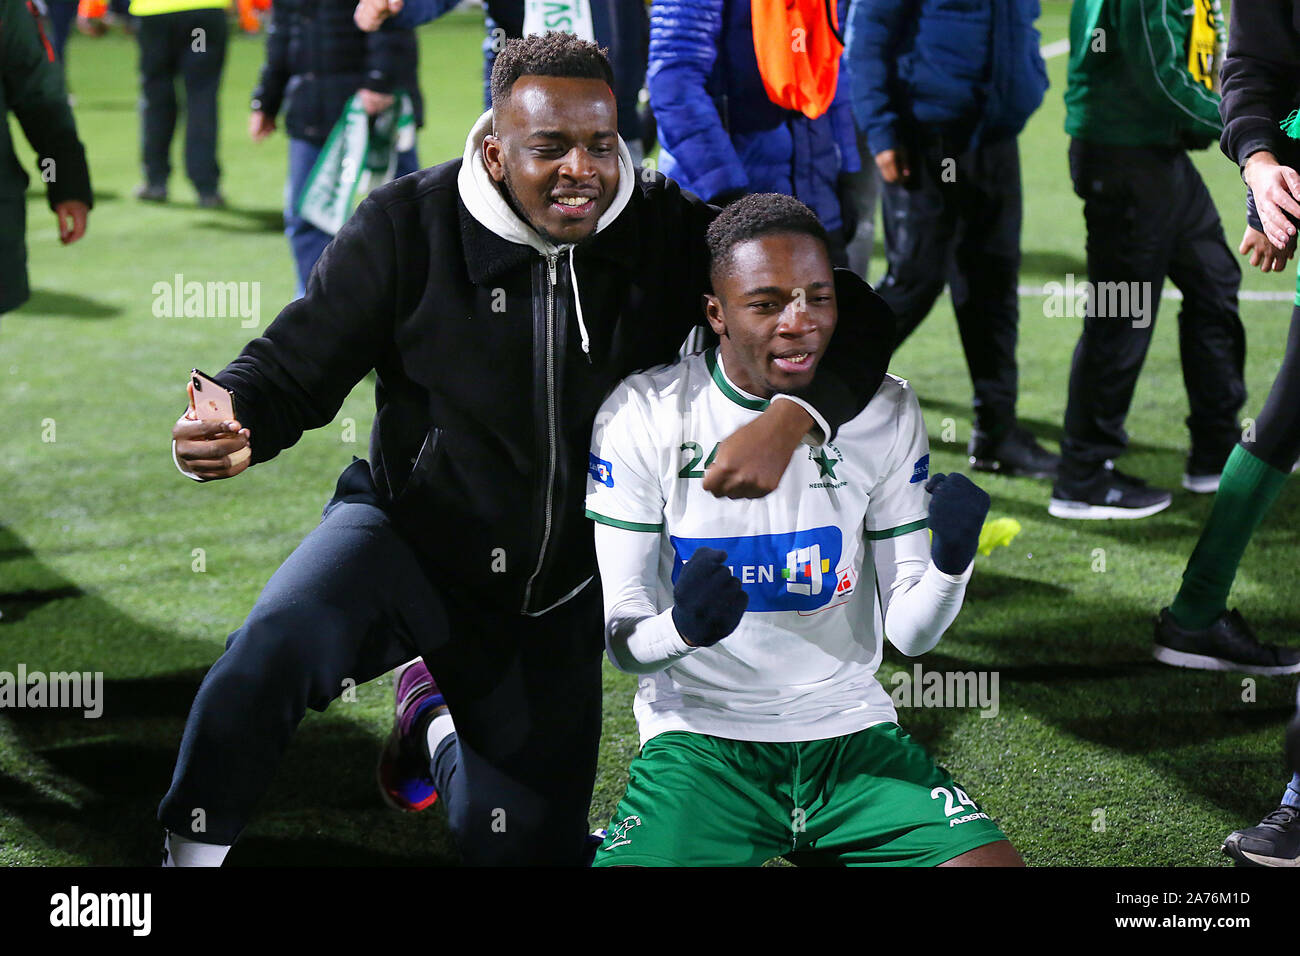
[{"x": 1248, "y": 294}]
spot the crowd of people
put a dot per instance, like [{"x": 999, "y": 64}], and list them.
[{"x": 740, "y": 146}]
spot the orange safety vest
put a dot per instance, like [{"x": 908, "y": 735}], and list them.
[{"x": 798, "y": 47}]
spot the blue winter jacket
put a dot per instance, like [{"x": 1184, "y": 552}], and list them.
[
  {"x": 719, "y": 132},
  {"x": 958, "y": 63}
]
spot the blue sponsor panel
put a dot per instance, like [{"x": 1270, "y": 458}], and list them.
[
  {"x": 794, "y": 571},
  {"x": 920, "y": 470},
  {"x": 600, "y": 469}
]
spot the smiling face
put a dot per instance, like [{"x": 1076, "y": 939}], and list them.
[
  {"x": 555, "y": 149},
  {"x": 774, "y": 309}
]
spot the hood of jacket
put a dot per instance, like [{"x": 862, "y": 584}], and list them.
[{"x": 482, "y": 197}]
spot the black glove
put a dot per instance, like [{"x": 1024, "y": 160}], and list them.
[
  {"x": 708, "y": 600},
  {"x": 957, "y": 511}
]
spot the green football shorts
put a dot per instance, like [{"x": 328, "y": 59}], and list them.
[{"x": 873, "y": 798}]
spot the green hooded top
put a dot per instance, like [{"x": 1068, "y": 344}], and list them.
[{"x": 1144, "y": 72}]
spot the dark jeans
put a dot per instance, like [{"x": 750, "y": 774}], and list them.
[
  {"x": 305, "y": 240},
  {"x": 62, "y": 15},
  {"x": 351, "y": 603},
  {"x": 1148, "y": 216},
  {"x": 963, "y": 230},
  {"x": 169, "y": 47}
]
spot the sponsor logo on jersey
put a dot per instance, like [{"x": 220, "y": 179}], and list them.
[
  {"x": 600, "y": 469},
  {"x": 794, "y": 571},
  {"x": 618, "y": 833},
  {"x": 921, "y": 470}
]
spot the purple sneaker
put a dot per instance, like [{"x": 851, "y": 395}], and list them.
[{"x": 404, "y": 779}]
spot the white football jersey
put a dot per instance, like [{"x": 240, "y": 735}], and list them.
[{"x": 801, "y": 664}]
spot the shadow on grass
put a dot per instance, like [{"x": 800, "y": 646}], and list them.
[
  {"x": 90, "y": 787},
  {"x": 66, "y": 305},
  {"x": 234, "y": 219},
  {"x": 1053, "y": 265}
]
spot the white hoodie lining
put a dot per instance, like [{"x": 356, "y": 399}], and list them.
[{"x": 479, "y": 193}]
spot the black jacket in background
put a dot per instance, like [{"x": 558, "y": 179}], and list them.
[
  {"x": 484, "y": 399},
  {"x": 318, "y": 58},
  {"x": 1261, "y": 80}
]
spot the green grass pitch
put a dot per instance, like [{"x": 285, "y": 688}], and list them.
[{"x": 1097, "y": 756}]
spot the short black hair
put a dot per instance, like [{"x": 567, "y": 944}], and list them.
[
  {"x": 755, "y": 216},
  {"x": 548, "y": 54}
]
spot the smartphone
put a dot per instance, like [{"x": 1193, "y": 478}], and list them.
[{"x": 213, "y": 402}]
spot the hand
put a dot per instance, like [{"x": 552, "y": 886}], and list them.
[
  {"x": 71, "y": 214},
  {"x": 375, "y": 103},
  {"x": 1276, "y": 189},
  {"x": 206, "y": 448},
  {"x": 708, "y": 601},
  {"x": 260, "y": 125},
  {"x": 894, "y": 166},
  {"x": 957, "y": 511},
  {"x": 371, "y": 14},
  {"x": 752, "y": 460},
  {"x": 1263, "y": 253}
]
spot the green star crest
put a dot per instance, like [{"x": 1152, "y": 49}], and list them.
[{"x": 826, "y": 465}]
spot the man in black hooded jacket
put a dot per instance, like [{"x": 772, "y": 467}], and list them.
[{"x": 498, "y": 298}]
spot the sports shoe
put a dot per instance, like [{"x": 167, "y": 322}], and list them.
[
  {"x": 1275, "y": 842},
  {"x": 1201, "y": 484},
  {"x": 403, "y": 770},
  {"x": 147, "y": 192},
  {"x": 1110, "y": 494},
  {"x": 1202, "y": 472},
  {"x": 212, "y": 201},
  {"x": 1016, "y": 454},
  {"x": 1228, "y": 644}
]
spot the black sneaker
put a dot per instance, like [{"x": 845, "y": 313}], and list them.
[
  {"x": 1202, "y": 472},
  {"x": 1228, "y": 644},
  {"x": 1110, "y": 494},
  {"x": 1275, "y": 842},
  {"x": 212, "y": 201},
  {"x": 1016, "y": 454},
  {"x": 150, "y": 193}
]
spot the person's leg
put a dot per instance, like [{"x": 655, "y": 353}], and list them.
[
  {"x": 877, "y": 798},
  {"x": 1250, "y": 483},
  {"x": 62, "y": 15},
  {"x": 983, "y": 275},
  {"x": 525, "y": 696},
  {"x": 863, "y": 189},
  {"x": 919, "y": 222},
  {"x": 1212, "y": 341},
  {"x": 698, "y": 800},
  {"x": 348, "y": 604},
  {"x": 201, "y": 61},
  {"x": 1130, "y": 211},
  {"x": 157, "y": 98},
  {"x": 306, "y": 242},
  {"x": 407, "y": 162}
]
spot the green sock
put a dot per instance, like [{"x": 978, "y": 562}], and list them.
[{"x": 1247, "y": 490}]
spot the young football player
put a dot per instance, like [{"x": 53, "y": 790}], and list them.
[{"x": 758, "y": 625}]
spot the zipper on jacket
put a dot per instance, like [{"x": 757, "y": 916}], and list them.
[{"x": 550, "y": 426}]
